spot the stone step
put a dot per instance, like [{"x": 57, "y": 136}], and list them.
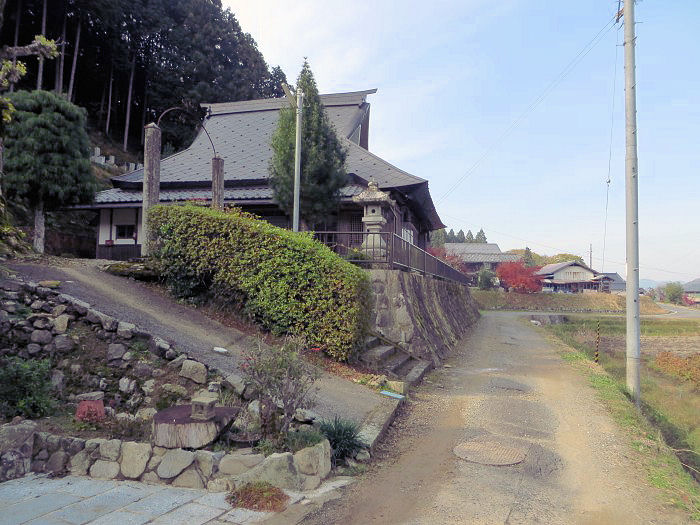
[
  {"x": 395, "y": 363},
  {"x": 418, "y": 369},
  {"x": 405, "y": 368},
  {"x": 378, "y": 355},
  {"x": 372, "y": 342}
]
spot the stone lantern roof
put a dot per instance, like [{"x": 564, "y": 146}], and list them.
[{"x": 373, "y": 195}]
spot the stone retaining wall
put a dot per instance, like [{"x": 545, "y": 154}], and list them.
[
  {"x": 25, "y": 450},
  {"x": 424, "y": 315}
]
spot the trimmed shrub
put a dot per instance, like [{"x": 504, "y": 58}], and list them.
[
  {"x": 286, "y": 281},
  {"x": 25, "y": 387}
]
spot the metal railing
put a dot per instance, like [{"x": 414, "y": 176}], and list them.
[{"x": 386, "y": 249}]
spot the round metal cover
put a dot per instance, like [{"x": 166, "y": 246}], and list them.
[{"x": 489, "y": 453}]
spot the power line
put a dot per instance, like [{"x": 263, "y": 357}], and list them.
[
  {"x": 612, "y": 128},
  {"x": 569, "y": 67}
]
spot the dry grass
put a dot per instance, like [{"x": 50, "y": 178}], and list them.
[
  {"x": 260, "y": 496},
  {"x": 686, "y": 368},
  {"x": 600, "y": 302}
]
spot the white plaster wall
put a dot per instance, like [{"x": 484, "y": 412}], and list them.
[
  {"x": 121, "y": 216},
  {"x": 573, "y": 273}
]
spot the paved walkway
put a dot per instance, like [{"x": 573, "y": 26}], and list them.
[
  {"x": 38, "y": 500},
  {"x": 72, "y": 500}
]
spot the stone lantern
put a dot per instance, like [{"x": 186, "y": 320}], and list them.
[{"x": 374, "y": 201}]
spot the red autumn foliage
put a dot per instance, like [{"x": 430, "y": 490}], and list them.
[
  {"x": 452, "y": 260},
  {"x": 519, "y": 277},
  {"x": 90, "y": 411}
]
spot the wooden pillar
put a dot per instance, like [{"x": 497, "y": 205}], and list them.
[
  {"x": 151, "y": 183},
  {"x": 217, "y": 183}
]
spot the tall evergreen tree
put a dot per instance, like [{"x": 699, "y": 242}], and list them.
[
  {"x": 47, "y": 155},
  {"x": 528, "y": 258},
  {"x": 469, "y": 237},
  {"x": 451, "y": 237},
  {"x": 480, "y": 237},
  {"x": 322, "y": 157},
  {"x": 438, "y": 238},
  {"x": 460, "y": 236}
]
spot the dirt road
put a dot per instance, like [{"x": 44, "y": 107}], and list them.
[{"x": 507, "y": 386}]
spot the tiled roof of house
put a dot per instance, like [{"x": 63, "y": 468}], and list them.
[
  {"x": 118, "y": 196},
  {"x": 459, "y": 248},
  {"x": 478, "y": 252},
  {"x": 548, "y": 269},
  {"x": 241, "y": 132}
]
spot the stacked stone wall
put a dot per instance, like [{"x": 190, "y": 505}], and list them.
[{"x": 424, "y": 315}]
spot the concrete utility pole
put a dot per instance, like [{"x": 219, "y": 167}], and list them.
[
  {"x": 297, "y": 161},
  {"x": 151, "y": 183},
  {"x": 632, "y": 207}
]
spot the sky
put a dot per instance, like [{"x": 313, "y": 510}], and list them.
[{"x": 478, "y": 98}]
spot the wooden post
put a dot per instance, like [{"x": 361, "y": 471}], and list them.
[
  {"x": 217, "y": 183},
  {"x": 151, "y": 183}
]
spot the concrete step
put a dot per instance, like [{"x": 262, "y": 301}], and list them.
[
  {"x": 418, "y": 369},
  {"x": 396, "y": 361},
  {"x": 405, "y": 368},
  {"x": 378, "y": 355}
]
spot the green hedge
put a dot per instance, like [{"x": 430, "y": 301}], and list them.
[{"x": 285, "y": 281}]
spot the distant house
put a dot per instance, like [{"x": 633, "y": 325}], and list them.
[
  {"x": 479, "y": 255},
  {"x": 573, "y": 277},
  {"x": 692, "y": 290},
  {"x": 617, "y": 283},
  {"x": 241, "y": 133}
]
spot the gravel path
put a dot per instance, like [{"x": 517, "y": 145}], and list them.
[
  {"x": 507, "y": 386},
  {"x": 191, "y": 330}
]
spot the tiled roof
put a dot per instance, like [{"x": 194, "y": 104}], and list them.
[
  {"x": 548, "y": 269},
  {"x": 241, "y": 133},
  {"x": 459, "y": 248},
  {"x": 488, "y": 257},
  {"x": 264, "y": 193}
]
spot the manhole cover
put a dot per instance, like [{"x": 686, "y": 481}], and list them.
[{"x": 489, "y": 453}]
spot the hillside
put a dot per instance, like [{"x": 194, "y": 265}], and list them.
[{"x": 593, "y": 302}]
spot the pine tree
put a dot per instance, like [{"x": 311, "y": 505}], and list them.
[
  {"x": 528, "y": 259},
  {"x": 460, "y": 236},
  {"x": 322, "y": 157},
  {"x": 47, "y": 155},
  {"x": 469, "y": 237},
  {"x": 451, "y": 237},
  {"x": 438, "y": 238},
  {"x": 480, "y": 237}
]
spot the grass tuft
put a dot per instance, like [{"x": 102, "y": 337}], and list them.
[{"x": 260, "y": 496}]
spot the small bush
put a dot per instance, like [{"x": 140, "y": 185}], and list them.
[
  {"x": 485, "y": 280},
  {"x": 286, "y": 281},
  {"x": 167, "y": 400},
  {"x": 260, "y": 496},
  {"x": 295, "y": 441},
  {"x": 281, "y": 377},
  {"x": 25, "y": 388},
  {"x": 343, "y": 436}
]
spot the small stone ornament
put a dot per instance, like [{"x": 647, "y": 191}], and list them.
[{"x": 203, "y": 408}]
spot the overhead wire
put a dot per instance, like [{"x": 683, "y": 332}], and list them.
[
  {"x": 612, "y": 129},
  {"x": 533, "y": 105}
]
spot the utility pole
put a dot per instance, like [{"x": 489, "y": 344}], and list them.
[
  {"x": 632, "y": 208},
  {"x": 299, "y": 105},
  {"x": 590, "y": 256},
  {"x": 297, "y": 161}
]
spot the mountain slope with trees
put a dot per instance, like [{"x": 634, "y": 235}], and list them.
[{"x": 126, "y": 61}]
